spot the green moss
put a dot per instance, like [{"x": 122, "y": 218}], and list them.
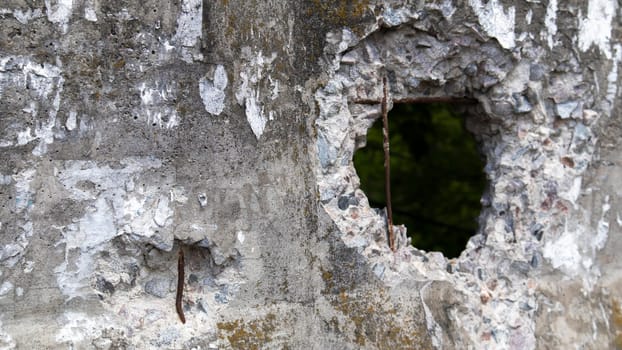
[
  {"x": 376, "y": 324},
  {"x": 248, "y": 335},
  {"x": 341, "y": 14},
  {"x": 616, "y": 316}
]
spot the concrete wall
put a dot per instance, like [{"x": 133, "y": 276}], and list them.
[{"x": 131, "y": 130}]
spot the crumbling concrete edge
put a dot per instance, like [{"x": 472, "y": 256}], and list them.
[{"x": 539, "y": 137}]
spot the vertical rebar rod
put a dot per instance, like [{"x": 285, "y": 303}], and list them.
[{"x": 387, "y": 163}]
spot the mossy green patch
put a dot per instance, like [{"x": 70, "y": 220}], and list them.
[
  {"x": 248, "y": 335},
  {"x": 377, "y": 323},
  {"x": 616, "y": 317}
]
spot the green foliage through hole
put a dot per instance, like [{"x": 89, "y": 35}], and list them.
[{"x": 437, "y": 176}]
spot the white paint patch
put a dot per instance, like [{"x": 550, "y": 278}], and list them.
[
  {"x": 5, "y": 288},
  {"x": 255, "y": 116},
  {"x": 248, "y": 93},
  {"x": 213, "y": 93},
  {"x": 45, "y": 130},
  {"x": 612, "y": 77},
  {"x": 115, "y": 209},
  {"x": 24, "y": 17},
  {"x": 602, "y": 230},
  {"x": 241, "y": 237},
  {"x": 158, "y": 106},
  {"x": 6, "y": 340},
  {"x": 21, "y": 73},
  {"x": 528, "y": 16},
  {"x": 5, "y": 179},
  {"x": 448, "y": 9},
  {"x": 23, "y": 137},
  {"x": 496, "y": 21},
  {"x": 71, "y": 123},
  {"x": 23, "y": 193},
  {"x": 95, "y": 227},
  {"x": 59, "y": 11},
  {"x": 89, "y": 11},
  {"x": 105, "y": 177},
  {"x": 78, "y": 327},
  {"x": 595, "y": 28},
  {"x": 29, "y": 266},
  {"x": 550, "y": 22},
  {"x": 178, "y": 194},
  {"x": 564, "y": 253},
  {"x": 189, "y": 23},
  {"x": 24, "y": 198},
  {"x": 573, "y": 192}
]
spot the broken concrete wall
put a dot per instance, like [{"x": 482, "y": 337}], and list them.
[{"x": 226, "y": 129}]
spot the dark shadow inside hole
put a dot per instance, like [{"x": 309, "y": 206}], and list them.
[{"x": 437, "y": 176}]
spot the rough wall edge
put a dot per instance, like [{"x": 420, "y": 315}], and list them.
[{"x": 538, "y": 109}]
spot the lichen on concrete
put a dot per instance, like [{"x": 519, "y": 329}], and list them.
[
  {"x": 226, "y": 129},
  {"x": 539, "y": 137}
]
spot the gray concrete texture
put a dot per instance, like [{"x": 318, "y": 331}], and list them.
[{"x": 130, "y": 130}]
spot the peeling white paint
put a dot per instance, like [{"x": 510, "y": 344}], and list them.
[
  {"x": 496, "y": 21},
  {"x": 595, "y": 28},
  {"x": 78, "y": 326},
  {"x": 157, "y": 105},
  {"x": 95, "y": 227},
  {"x": 241, "y": 237},
  {"x": 550, "y": 22},
  {"x": 23, "y": 137},
  {"x": 71, "y": 124},
  {"x": 22, "y": 16},
  {"x": 45, "y": 131},
  {"x": 29, "y": 266},
  {"x": 178, "y": 194},
  {"x": 5, "y": 288},
  {"x": 5, "y": 179},
  {"x": 572, "y": 194},
  {"x": 59, "y": 11},
  {"x": 6, "y": 341},
  {"x": 23, "y": 194},
  {"x": 189, "y": 23},
  {"x": 89, "y": 11},
  {"x": 274, "y": 87},
  {"x": 248, "y": 93},
  {"x": 602, "y": 230},
  {"x": 255, "y": 116},
  {"x": 213, "y": 93},
  {"x": 448, "y": 9},
  {"x": 23, "y": 73},
  {"x": 529, "y": 16},
  {"x": 564, "y": 252},
  {"x": 612, "y": 77},
  {"x": 11, "y": 253},
  {"x": 115, "y": 209}
]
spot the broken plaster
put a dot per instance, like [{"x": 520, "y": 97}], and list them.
[
  {"x": 248, "y": 92},
  {"x": 213, "y": 92},
  {"x": 596, "y": 26},
  {"x": 23, "y": 73},
  {"x": 414, "y": 58}
]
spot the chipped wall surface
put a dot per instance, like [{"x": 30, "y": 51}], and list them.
[{"x": 129, "y": 131}]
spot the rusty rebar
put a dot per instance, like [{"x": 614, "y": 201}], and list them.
[
  {"x": 416, "y": 100},
  {"x": 180, "y": 286},
  {"x": 387, "y": 163}
]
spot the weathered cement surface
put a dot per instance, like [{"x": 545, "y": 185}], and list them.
[{"x": 129, "y": 130}]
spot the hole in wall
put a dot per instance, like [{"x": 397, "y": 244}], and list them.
[{"x": 437, "y": 176}]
